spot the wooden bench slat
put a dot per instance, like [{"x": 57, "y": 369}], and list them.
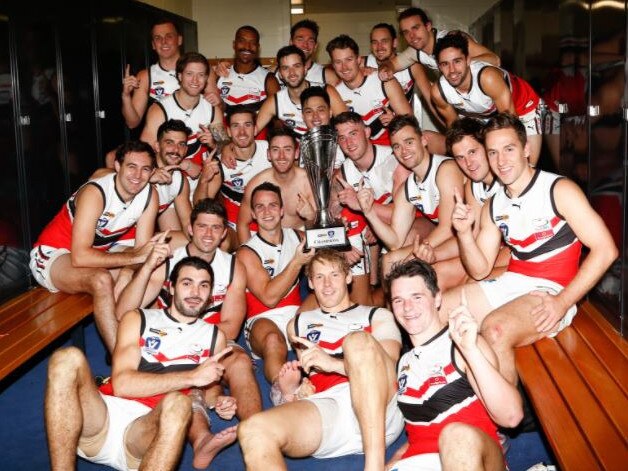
[
  {"x": 609, "y": 394},
  {"x": 571, "y": 450},
  {"x": 30, "y": 306},
  {"x": 604, "y": 439},
  {"x": 588, "y": 312},
  {"x": 28, "y": 339}
]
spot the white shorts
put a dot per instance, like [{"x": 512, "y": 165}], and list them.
[
  {"x": 280, "y": 317},
  {"x": 509, "y": 286},
  {"x": 122, "y": 412},
  {"x": 532, "y": 122},
  {"x": 364, "y": 264},
  {"x": 42, "y": 258},
  {"x": 340, "y": 433},
  {"x": 422, "y": 462}
]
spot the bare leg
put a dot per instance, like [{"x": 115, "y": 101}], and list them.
[
  {"x": 464, "y": 447},
  {"x": 241, "y": 380},
  {"x": 268, "y": 342},
  {"x": 476, "y": 302},
  {"x": 158, "y": 437},
  {"x": 73, "y": 406},
  {"x": 371, "y": 390},
  {"x": 95, "y": 281},
  {"x": 535, "y": 142},
  {"x": 293, "y": 429}
]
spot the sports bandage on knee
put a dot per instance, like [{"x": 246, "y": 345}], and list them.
[{"x": 199, "y": 405}]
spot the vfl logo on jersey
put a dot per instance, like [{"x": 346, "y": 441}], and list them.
[
  {"x": 402, "y": 382},
  {"x": 224, "y": 90},
  {"x": 290, "y": 123},
  {"x": 504, "y": 228},
  {"x": 159, "y": 91},
  {"x": 314, "y": 335},
  {"x": 102, "y": 222},
  {"x": 152, "y": 345},
  {"x": 238, "y": 182},
  {"x": 270, "y": 270}
]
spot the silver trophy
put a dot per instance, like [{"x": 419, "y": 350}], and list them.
[{"x": 318, "y": 152}]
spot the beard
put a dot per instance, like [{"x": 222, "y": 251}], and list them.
[{"x": 193, "y": 313}]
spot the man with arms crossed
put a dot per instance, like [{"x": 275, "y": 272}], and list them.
[
  {"x": 284, "y": 172},
  {"x": 273, "y": 259},
  {"x": 76, "y": 250},
  {"x": 141, "y": 418},
  {"x": 349, "y": 353},
  {"x": 227, "y": 304},
  {"x": 156, "y": 82},
  {"x": 451, "y": 393},
  {"x": 545, "y": 219}
]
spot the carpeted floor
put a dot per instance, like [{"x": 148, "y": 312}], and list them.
[{"x": 22, "y": 432}]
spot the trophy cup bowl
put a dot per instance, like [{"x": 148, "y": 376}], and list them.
[{"x": 318, "y": 152}]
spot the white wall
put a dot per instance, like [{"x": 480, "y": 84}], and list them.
[
  {"x": 357, "y": 25},
  {"x": 218, "y": 20}
]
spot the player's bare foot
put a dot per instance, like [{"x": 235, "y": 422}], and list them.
[
  {"x": 208, "y": 446},
  {"x": 289, "y": 377}
]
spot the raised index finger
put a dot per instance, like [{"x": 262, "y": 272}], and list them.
[
  {"x": 218, "y": 356},
  {"x": 302, "y": 341},
  {"x": 463, "y": 297},
  {"x": 163, "y": 236},
  {"x": 127, "y": 70},
  {"x": 457, "y": 196}
]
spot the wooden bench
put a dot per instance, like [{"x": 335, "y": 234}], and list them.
[
  {"x": 34, "y": 319},
  {"x": 577, "y": 383}
]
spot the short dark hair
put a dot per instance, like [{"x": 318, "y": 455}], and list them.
[
  {"x": 330, "y": 256},
  {"x": 506, "y": 121},
  {"x": 175, "y": 125},
  {"x": 342, "y": 42},
  {"x": 310, "y": 92},
  {"x": 209, "y": 206},
  {"x": 308, "y": 24},
  {"x": 135, "y": 146},
  {"x": 289, "y": 50},
  {"x": 347, "y": 117},
  {"x": 401, "y": 121},
  {"x": 267, "y": 186},
  {"x": 240, "y": 109},
  {"x": 165, "y": 21},
  {"x": 460, "y": 129},
  {"x": 195, "y": 262},
  {"x": 391, "y": 29},
  {"x": 280, "y": 130},
  {"x": 454, "y": 39},
  {"x": 191, "y": 58},
  {"x": 414, "y": 11},
  {"x": 412, "y": 268},
  {"x": 249, "y": 28}
]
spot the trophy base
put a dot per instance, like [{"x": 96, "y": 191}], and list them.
[{"x": 334, "y": 237}]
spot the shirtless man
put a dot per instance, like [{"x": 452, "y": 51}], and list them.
[
  {"x": 226, "y": 307},
  {"x": 76, "y": 251},
  {"x": 141, "y": 418},
  {"x": 545, "y": 219},
  {"x": 246, "y": 82},
  {"x": 367, "y": 95},
  {"x": 188, "y": 105},
  {"x": 156, "y": 82},
  {"x": 286, "y": 104},
  {"x": 349, "y": 352},
  {"x": 273, "y": 259},
  {"x": 284, "y": 172},
  {"x": 421, "y": 36},
  {"x": 450, "y": 390},
  {"x": 477, "y": 89}
]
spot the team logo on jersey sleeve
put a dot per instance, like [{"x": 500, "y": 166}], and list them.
[
  {"x": 224, "y": 90},
  {"x": 504, "y": 229},
  {"x": 314, "y": 335},
  {"x": 402, "y": 383},
  {"x": 152, "y": 345}
]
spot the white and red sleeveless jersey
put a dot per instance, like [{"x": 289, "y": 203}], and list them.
[
  {"x": 434, "y": 392},
  {"x": 162, "y": 82},
  {"x": 168, "y": 192},
  {"x": 289, "y": 112},
  {"x": 328, "y": 331},
  {"x": 483, "y": 193},
  {"x": 379, "y": 175},
  {"x": 369, "y": 101},
  {"x": 117, "y": 218},
  {"x": 235, "y": 180},
  {"x": 543, "y": 245},
  {"x": 274, "y": 259},
  {"x": 223, "y": 267},
  {"x": 202, "y": 113},
  {"x": 167, "y": 345},
  {"x": 425, "y": 195},
  {"x": 244, "y": 89},
  {"x": 404, "y": 77},
  {"x": 476, "y": 104},
  {"x": 315, "y": 75}
]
